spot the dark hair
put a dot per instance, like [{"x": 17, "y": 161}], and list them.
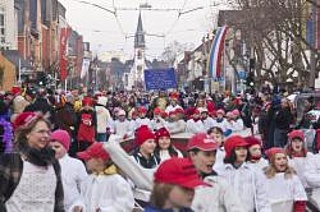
[
  {"x": 171, "y": 149},
  {"x": 21, "y": 132},
  {"x": 160, "y": 193},
  {"x": 232, "y": 159},
  {"x": 194, "y": 150},
  {"x": 215, "y": 129}
]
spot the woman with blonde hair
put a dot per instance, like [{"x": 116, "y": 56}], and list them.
[
  {"x": 285, "y": 191},
  {"x": 30, "y": 177}
]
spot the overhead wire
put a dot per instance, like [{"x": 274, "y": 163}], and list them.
[{"x": 177, "y": 19}]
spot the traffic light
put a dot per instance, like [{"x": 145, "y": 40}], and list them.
[
  {"x": 250, "y": 80},
  {"x": 41, "y": 79}
]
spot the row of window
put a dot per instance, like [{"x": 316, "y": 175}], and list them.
[{"x": 2, "y": 27}]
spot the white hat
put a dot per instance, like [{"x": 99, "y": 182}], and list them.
[
  {"x": 102, "y": 100},
  {"x": 121, "y": 113}
]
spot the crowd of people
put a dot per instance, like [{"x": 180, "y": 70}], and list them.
[{"x": 242, "y": 153}]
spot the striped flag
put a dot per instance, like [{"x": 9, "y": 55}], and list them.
[{"x": 217, "y": 48}]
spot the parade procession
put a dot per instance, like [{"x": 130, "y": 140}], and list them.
[{"x": 159, "y": 106}]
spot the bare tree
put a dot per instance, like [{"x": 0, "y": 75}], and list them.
[
  {"x": 275, "y": 31},
  {"x": 173, "y": 50}
]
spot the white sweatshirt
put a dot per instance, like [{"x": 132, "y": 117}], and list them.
[
  {"x": 249, "y": 186},
  {"x": 283, "y": 192},
  {"x": 107, "y": 193}
]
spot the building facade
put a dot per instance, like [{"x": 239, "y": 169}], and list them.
[
  {"x": 8, "y": 25},
  {"x": 135, "y": 78}
]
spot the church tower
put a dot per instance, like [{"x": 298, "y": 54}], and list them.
[{"x": 136, "y": 75}]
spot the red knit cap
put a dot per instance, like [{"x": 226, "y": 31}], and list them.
[
  {"x": 273, "y": 151},
  {"x": 179, "y": 111},
  {"x": 87, "y": 101},
  {"x": 232, "y": 142},
  {"x": 164, "y": 114},
  {"x": 162, "y": 132},
  {"x": 157, "y": 111},
  {"x": 25, "y": 118},
  {"x": 196, "y": 111},
  {"x": 142, "y": 109},
  {"x": 251, "y": 140},
  {"x": 142, "y": 134},
  {"x": 15, "y": 90}
]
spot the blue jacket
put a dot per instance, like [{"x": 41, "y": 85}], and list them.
[{"x": 154, "y": 209}]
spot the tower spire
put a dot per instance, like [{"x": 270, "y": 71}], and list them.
[{"x": 139, "y": 39}]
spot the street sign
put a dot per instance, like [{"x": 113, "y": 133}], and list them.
[
  {"x": 157, "y": 79},
  {"x": 242, "y": 74}
]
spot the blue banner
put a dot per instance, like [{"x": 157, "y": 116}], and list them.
[{"x": 159, "y": 79}]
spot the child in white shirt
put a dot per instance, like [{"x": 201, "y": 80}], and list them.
[
  {"x": 104, "y": 190},
  {"x": 73, "y": 172}
]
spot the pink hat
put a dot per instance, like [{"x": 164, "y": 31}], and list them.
[
  {"x": 229, "y": 114},
  {"x": 296, "y": 134},
  {"x": 273, "y": 151},
  {"x": 143, "y": 134},
  {"x": 236, "y": 112},
  {"x": 62, "y": 137},
  {"x": 220, "y": 111},
  {"x": 121, "y": 113}
]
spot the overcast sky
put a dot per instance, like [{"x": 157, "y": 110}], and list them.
[{"x": 105, "y": 32}]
